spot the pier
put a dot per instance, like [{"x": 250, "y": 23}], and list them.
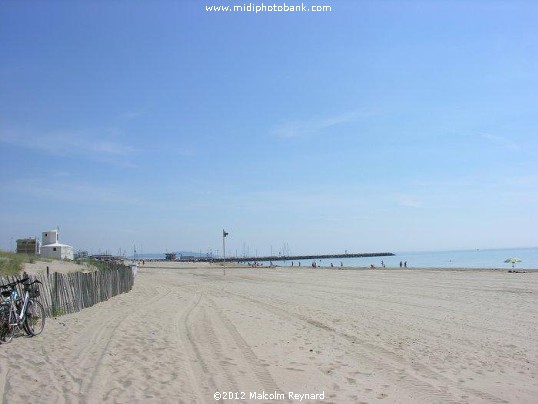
[{"x": 294, "y": 257}]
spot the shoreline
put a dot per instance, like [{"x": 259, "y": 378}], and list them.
[
  {"x": 40, "y": 266},
  {"x": 189, "y": 264}
]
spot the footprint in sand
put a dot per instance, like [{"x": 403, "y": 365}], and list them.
[{"x": 381, "y": 396}]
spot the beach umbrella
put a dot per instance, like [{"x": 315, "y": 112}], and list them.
[{"x": 512, "y": 261}]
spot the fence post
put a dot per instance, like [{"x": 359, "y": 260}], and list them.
[{"x": 54, "y": 294}]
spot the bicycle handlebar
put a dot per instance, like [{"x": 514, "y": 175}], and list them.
[
  {"x": 9, "y": 285},
  {"x": 31, "y": 283},
  {"x": 14, "y": 283}
]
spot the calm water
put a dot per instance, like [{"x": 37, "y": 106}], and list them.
[
  {"x": 437, "y": 259},
  {"x": 442, "y": 259}
]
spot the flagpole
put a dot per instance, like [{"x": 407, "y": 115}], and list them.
[{"x": 224, "y": 234}]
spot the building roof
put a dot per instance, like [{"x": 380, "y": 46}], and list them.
[{"x": 56, "y": 245}]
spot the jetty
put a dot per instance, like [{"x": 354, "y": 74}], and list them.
[{"x": 294, "y": 257}]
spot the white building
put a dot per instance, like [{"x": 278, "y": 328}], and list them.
[{"x": 50, "y": 248}]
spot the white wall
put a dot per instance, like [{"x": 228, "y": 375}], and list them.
[
  {"x": 49, "y": 237},
  {"x": 58, "y": 251}
]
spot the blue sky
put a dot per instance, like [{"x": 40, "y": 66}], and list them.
[{"x": 378, "y": 126}]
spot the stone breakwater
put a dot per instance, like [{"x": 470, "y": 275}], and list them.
[{"x": 296, "y": 257}]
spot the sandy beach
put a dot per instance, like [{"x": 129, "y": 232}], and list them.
[
  {"x": 187, "y": 331},
  {"x": 64, "y": 267}
]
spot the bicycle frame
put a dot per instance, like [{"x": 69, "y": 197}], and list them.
[{"x": 19, "y": 317}]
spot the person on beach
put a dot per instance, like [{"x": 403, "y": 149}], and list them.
[
  {"x": 405, "y": 264},
  {"x": 382, "y": 264},
  {"x": 400, "y": 264}
]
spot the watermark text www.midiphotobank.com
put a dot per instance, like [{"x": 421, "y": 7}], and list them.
[{"x": 237, "y": 6}]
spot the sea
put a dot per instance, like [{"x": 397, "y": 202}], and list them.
[
  {"x": 479, "y": 258},
  {"x": 483, "y": 258}
]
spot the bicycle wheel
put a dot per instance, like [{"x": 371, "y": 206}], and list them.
[
  {"x": 7, "y": 331},
  {"x": 35, "y": 318},
  {"x": 4, "y": 323}
]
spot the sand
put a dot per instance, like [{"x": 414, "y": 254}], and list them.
[
  {"x": 40, "y": 267},
  {"x": 185, "y": 333}
]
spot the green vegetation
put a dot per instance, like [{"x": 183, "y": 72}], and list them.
[
  {"x": 58, "y": 312},
  {"x": 99, "y": 265},
  {"x": 11, "y": 264}
]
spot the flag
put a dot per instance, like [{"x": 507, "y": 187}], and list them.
[{"x": 224, "y": 234}]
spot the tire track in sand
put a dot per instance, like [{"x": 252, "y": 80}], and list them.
[
  {"x": 220, "y": 359},
  {"x": 109, "y": 333},
  {"x": 391, "y": 362},
  {"x": 200, "y": 377},
  {"x": 259, "y": 370},
  {"x": 89, "y": 355}
]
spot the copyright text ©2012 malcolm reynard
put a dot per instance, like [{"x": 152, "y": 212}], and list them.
[{"x": 267, "y": 396}]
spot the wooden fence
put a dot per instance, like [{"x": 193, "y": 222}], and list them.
[{"x": 68, "y": 293}]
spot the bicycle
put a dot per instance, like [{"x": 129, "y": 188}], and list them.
[{"x": 16, "y": 311}]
